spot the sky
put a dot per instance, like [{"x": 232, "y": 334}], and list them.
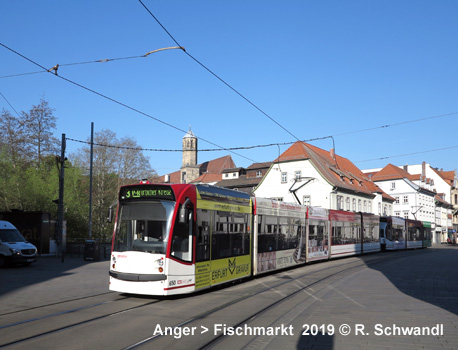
[{"x": 380, "y": 77}]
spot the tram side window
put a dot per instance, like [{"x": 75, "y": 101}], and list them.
[
  {"x": 230, "y": 236},
  {"x": 371, "y": 233},
  {"x": 388, "y": 232},
  {"x": 282, "y": 235},
  {"x": 292, "y": 233},
  {"x": 345, "y": 233},
  {"x": 337, "y": 234},
  {"x": 203, "y": 235},
  {"x": 317, "y": 235},
  {"x": 267, "y": 234},
  {"x": 397, "y": 234}
]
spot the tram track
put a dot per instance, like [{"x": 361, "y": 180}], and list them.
[
  {"x": 285, "y": 285},
  {"x": 52, "y": 304},
  {"x": 214, "y": 341},
  {"x": 69, "y": 325}
]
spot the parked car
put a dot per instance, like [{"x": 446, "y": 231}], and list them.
[{"x": 14, "y": 248}]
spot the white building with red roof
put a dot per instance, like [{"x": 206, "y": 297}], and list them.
[{"x": 309, "y": 175}]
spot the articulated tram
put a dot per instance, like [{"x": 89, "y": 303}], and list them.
[
  {"x": 182, "y": 238},
  {"x": 397, "y": 233}
]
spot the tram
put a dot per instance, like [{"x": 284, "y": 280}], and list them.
[
  {"x": 414, "y": 234},
  {"x": 392, "y": 233},
  {"x": 181, "y": 238},
  {"x": 174, "y": 239},
  {"x": 279, "y": 235},
  {"x": 427, "y": 234}
]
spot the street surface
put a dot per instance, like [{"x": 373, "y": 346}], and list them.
[{"x": 393, "y": 300}]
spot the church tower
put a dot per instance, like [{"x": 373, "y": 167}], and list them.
[{"x": 189, "y": 168}]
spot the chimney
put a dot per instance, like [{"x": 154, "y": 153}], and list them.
[
  {"x": 331, "y": 152},
  {"x": 423, "y": 171}
]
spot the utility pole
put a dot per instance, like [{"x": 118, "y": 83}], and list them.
[
  {"x": 90, "y": 180},
  {"x": 60, "y": 204}
]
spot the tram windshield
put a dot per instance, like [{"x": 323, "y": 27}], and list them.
[{"x": 144, "y": 227}]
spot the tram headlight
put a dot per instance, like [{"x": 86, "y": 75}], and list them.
[{"x": 160, "y": 262}]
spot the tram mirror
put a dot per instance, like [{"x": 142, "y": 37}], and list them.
[
  {"x": 111, "y": 212},
  {"x": 184, "y": 215},
  {"x": 110, "y": 215}
]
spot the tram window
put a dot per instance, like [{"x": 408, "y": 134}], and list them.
[
  {"x": 230, "y": 237},
  {"x": 336, "y": 234},
  {"x": 267, "y": 239},
  {"x": 144, "y": 227}
]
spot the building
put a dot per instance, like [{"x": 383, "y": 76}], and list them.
[
  {"x": 416, "y": 196},
  {"x": 444, "y": 184},
  {"x": 244, "y": 179},
  {"x": 209, "y": 172},
  {"x": 312, "y": 176}
]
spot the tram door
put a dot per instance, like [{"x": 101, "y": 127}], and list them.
[{"x": 203, "y": 235}]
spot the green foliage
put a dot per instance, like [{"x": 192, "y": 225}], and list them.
[{"x": 29, "y": 172}]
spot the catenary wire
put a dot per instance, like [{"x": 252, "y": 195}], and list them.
[
  {"x": 104, "y": 60},
  {"x": 121, "y": 103},
  {"x": 10, "y": 105},
  {"x": 218, "y": 77}
]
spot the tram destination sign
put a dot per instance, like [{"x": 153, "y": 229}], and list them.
[{"x": 146, "y": 192}]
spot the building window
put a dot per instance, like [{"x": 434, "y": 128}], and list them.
[
  {"x": 359, "y": 204},
  {"x": 226, "y": 175},
  {"x": 397, "y": 200},
  {"x": 284, "y": 178},
  {"x": 347, "y": 204},
  {"x": 365, "y": 206},
  {"x": 406, "y": 214},
  {"x": 354, "y": 204},
  {"x": 405, "y": 199},
  {"x": 339, "y": 202},
  {"x": 258, "y": 173},
  {"x": 380, "y": 209},
  {"x": 297, "y": 174},
  {"x": 393, "y": 185},
  {"x": 397, "y": 213},
  {"x": 307, "y": 200},
  {"x": 370, "y": 207}
]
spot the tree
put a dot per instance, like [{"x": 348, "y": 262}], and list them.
[
  {"x": 40, "y": 123},
  {"x": 13, "y": 139},
  {"x": 115, "y": 163}
]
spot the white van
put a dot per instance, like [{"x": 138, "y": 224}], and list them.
[{"x": 13, "y": 246}]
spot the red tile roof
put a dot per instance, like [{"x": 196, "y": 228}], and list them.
[
  {"x": 447, "y": 176},
  {"x": 206, "y": 178},
  {"x": 213, "y": 167},
  {"x": 339, "y": 171},
  {"x": 391, "y": 172}
]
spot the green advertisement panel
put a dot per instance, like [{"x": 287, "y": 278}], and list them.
[{"x": 209, "y": 273}]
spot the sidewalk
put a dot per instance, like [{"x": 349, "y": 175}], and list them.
[{"x": 49, "y": 280}]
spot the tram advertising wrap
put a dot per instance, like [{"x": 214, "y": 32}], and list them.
[{"x": 179, "y": 238}]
